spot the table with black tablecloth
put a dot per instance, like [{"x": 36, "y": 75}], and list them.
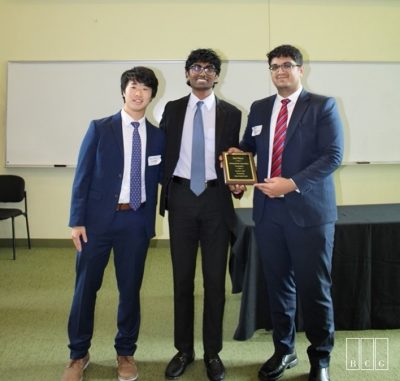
[{"x": 365, "y": 271}]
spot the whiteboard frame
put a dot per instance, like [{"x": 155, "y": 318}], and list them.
[{"x": 241, "y": 82}]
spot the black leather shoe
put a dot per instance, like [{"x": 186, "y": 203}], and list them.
[
  {"x": 215, "y": 368},
  {"x": 275, "y": 366},
  {"x": 319, "y": 374},
  {"x": 178, "y": 364}
]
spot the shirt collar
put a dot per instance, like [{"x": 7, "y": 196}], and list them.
[
  {"x": 127, "y": 119},
  {"x": 293, "y": 97},
  {"x": 208, "y": 102}
]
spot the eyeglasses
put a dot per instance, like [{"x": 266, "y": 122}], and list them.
[
  {"x": 286, "y": 66},
  {"x": 198, "y": 69}
]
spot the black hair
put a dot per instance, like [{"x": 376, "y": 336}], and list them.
[
  {"x": 208, "y": 56},
  {"x": 286, "y": 51},
  {"x": 139, "y": 74}
]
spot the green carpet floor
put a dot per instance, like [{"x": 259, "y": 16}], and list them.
[{"x": 35, "y": 297}]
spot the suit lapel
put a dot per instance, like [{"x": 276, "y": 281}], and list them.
[
  {"x": 178, "y": 124},
  {"x": 264, "y": 118},
  {"x": 219, "y": 122},
  {"x": 267, "y": 120},
  {"x": 117, "y": 131},
  {"x": 149, "y": 142},
  {"x": 299, "y": 109}
]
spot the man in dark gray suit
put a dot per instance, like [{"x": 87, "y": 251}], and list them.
[
  {"x": 298, "y": 139},
  {"x": 203, "y": 217}
]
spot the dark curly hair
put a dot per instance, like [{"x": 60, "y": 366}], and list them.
[
  {"x": 206, "y": 56},
  {"x": 286, "y": 51}
]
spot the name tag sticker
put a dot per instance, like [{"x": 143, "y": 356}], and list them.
[
  {"x": 154, "y": 160},
  {"x": 256, "y": 130}
]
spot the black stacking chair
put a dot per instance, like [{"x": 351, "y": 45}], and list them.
[{"x": 12, "y": 189}]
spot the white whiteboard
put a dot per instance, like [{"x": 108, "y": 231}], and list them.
[
  {"x": 50, "y": 104},
  {"x": 368, "y": 99}
]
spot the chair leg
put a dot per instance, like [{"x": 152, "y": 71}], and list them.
[
  {"x": 13, "y": 237},
  {"x": 27, "y": 231}
]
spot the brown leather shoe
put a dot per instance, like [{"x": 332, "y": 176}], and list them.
[
  {"x": 75, "y": 368},
  {"x": 126, "y": 368}
]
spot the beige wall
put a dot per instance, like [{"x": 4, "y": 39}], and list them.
[{"x": 362, "y": 30}]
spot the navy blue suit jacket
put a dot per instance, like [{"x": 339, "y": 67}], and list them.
[
  {"x": 313, "y": 150},
  {"x": 99, "y": 172}
]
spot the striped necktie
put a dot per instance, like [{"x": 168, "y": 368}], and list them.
[{"x": 279, "y": 139}]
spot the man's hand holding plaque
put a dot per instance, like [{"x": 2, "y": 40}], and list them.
[{"x": 239, "y": 167}]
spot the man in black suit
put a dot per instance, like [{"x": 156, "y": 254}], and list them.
[{"x": 204, "y": 216}]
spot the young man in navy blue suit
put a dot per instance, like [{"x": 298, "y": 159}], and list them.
[
  {"x": 298, "y": 139},
  {"x": 109, "y": 212}
]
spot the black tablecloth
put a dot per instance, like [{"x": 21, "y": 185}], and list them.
[{"x": 365, "y": 271}]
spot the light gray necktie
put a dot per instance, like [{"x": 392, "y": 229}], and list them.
[{"x": 198, "y": 171}]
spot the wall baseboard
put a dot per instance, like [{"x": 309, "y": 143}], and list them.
[{"x": 66, "y": 243}]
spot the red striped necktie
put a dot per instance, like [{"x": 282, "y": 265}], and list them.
[{"x": 279, "y": 139}]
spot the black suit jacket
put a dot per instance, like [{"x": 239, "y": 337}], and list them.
[{"x": 227, "y": 129}]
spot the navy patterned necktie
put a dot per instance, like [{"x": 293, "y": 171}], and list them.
[
  {"x": 198, "y": 170},
  {"x": 135, "y": 198}
]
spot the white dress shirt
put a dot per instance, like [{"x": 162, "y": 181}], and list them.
[
  {"x": 183, "y": 167},
  {"x": 274, "y": 116}
]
